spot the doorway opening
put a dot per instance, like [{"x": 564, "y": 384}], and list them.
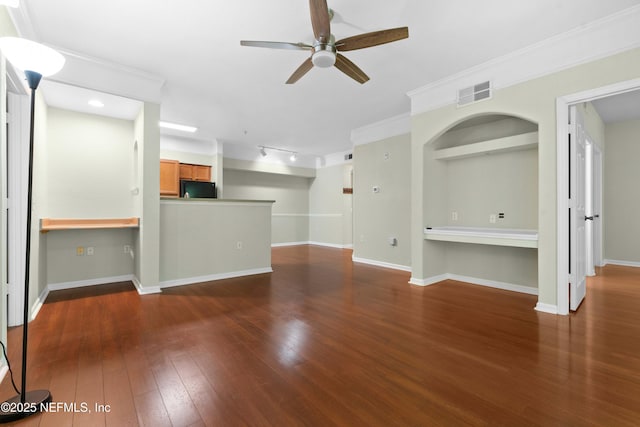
[{"x": 566, "y": 228}]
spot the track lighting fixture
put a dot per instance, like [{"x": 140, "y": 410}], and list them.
[{"x": 264, "y": 148}]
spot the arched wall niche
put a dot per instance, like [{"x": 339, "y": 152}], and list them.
[{"x": 482, "y": 172}]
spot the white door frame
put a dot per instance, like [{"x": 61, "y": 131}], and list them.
[
  {"x": 598, "y": 206},
  {"x": 562, "y": 178},
  {"x": 17, "y": 168}
]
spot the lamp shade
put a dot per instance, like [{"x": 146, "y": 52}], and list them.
[
  {"x": 10, "y": 3},
  {"x": 31, "y": 56}
]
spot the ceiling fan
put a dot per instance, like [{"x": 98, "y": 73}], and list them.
[{"x": 325, "y": 49}]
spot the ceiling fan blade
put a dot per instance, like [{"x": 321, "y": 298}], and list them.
[
  {"x": 276, "y": 45},
  {"x": 350, "y": 69},
  {"x": 320, "y": 20},
  {"x": 301, "y": 71},
  {"x": 374, "y": 38}
]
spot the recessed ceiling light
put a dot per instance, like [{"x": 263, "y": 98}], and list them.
[
  {"x": 176, "y": 126},
  {"x": 96, "y": 103}
]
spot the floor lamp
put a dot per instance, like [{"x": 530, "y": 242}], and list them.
[{"x": 36, "y": 61}]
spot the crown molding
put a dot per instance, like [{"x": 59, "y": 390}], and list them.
[
  {"x": 393, "y": 126},
  {"x": 94, "y": 73},
  {"x": 604, "y": 37},
  {"x": 106, "y": 76}
]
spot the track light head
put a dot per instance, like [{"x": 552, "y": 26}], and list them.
[{"x": 263, "y": 152}]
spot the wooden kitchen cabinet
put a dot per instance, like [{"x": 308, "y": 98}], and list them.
[
  {"x": 169, "y": 178},
  {"x": 195, "y": 172}
]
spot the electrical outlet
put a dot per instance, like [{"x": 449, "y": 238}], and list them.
[
  {"x": 89, "y": 250},
  {"x": 387, "y": 156},
  {"x": 376, "y": 189},
  {"x": 127, "y": 249},
  {"x": 492, "y": 218},
  {"x": 454, "y": 215},
  {"x": 238, "y": 245},
  {"x": 80, "y": 251}
]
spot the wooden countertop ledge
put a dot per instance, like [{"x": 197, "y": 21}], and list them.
[{"x": 50, "y": 224}]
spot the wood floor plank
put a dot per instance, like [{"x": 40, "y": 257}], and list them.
[{"x": 322, "y": 341}]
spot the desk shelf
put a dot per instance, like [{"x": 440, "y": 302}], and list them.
[
  {"x": 51, "y": 224},
  {"x": 485, "y": 236},
  {"x": 525, "y": 141}
]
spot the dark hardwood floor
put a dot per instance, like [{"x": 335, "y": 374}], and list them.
[{"x": 323, "y": 342}]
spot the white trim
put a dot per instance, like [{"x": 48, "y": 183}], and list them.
[
  {"x": 309, "y": 215},
  {"x": 495, "y": 284},
  {"x": 37, "y": 305},
  {"x": 3, "y": 370},
  {"x": 89, "y": 282},
  {"x": 393, "y": 126},
  {"x": 217, "y": 202},
  {"x": 621, "y": 263},
  {"x": 308, "y": 242},
  {"x": 145, "y": 290},
  {"x": 605, "y": 37},
  {"x": 546, "y": 308},
  {"x": 562, "y": 178},
  {"x": 381, "y": 264},
  {"x": 327, "y": 245},
  {"x": 475, "y": 281},
  {"x": 429, "y": 280},
  {"x": 285, "y": 244},
  {"x": 214, "y": 277},
  {"x": 17, "y": 169}
]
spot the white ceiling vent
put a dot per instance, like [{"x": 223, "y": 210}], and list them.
[
  {"x": 348, "y": 156},
  {"x": 474, "y": 93}
]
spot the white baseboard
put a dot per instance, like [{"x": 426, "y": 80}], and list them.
[
  {"x": 546, "y": 308},
  {"x": 381, "y": 264},
  {"x": 89, "y": 282},
  {"x": 285, "y": 244},
  {"x": 495, "y": 284},
  {"x": 142, "y": 290},
  {"x": 428, "y": 281},
  {"x": 474, "y": 281},
  {"x": 621, "y": 263},
  {"x": 328, "y": 245},
  {"x": 213, "y": 277},
  {"x": 37, "y": 305}
]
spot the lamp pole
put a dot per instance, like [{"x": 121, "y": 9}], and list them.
[{"x": 18, "y": 52}]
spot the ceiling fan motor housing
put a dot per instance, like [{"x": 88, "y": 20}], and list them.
[{"x": 324, "y": 54}]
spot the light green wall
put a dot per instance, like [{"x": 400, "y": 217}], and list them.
[
  {"x": 379, "y": 216},
  {"x": 90, "y": 166},
  {"x": 477, "y": 187},
  {"x": 38, "y": 261},
  {"x": 109, "y": 260},
  {"x": 200, "y": 239},
  {"x": 621, "y": 194},
  {"x": 147, "y": 202},
  {"x": 329, "y": 209},
  {"x": 593, "y": 123},
  {"x": 290, "y": 221},
  {"x": 535, "y": 101}
]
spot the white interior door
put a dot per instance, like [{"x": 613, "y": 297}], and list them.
[
  {"x": 589, "y": 209},
  {"x": 577, "y": 217},
  {"x": 598, "y": 260}
]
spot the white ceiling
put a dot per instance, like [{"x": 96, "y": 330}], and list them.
[
  {"x": 237, "y": 94},
  {"x": 619, "y": 108}
]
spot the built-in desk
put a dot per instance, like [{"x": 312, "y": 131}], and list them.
[
  {"x": 486, "y": 236},
  {"x": 50, "y": 224}
]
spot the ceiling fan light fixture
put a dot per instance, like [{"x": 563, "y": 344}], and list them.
[{"x": 324, "y": 55}]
